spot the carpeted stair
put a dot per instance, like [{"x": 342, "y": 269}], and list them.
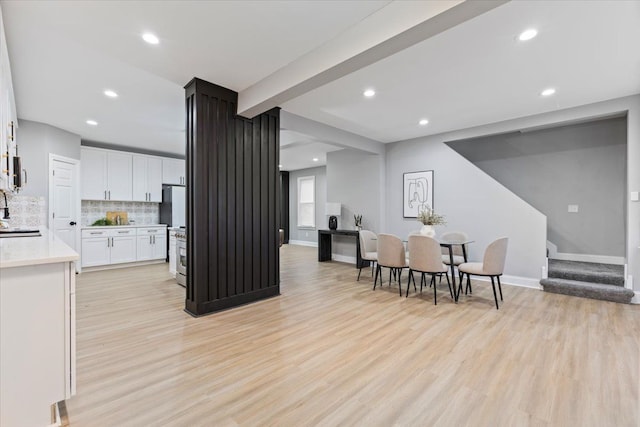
[{"x": 588, "y": 280}]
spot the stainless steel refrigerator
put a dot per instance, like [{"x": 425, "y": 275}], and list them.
[{"x": 173, "y": 206}]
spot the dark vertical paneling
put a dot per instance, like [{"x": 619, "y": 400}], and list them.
[
  {"x": 284, "y": 201},
  {"x": 248, "y": 206},
  {"x": 232, "y": 201}
]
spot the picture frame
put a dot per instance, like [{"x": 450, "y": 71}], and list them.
[{"x": 417, "y": 190}]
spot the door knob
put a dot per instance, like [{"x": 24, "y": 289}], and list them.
[{"x": 72, "y": 223}]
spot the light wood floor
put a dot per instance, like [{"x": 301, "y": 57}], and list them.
[{"x": 330, "y": 351}]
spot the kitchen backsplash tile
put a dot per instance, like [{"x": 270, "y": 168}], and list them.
[
  {"x": 26, "y": 211},
  {"x": 143, "y": 213}
]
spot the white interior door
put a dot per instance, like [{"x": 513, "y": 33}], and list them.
[{"x": 64, "y": 200}]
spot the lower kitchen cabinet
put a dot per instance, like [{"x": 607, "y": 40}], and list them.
[
  {"x": 152, "y": 243},
  {"x": 119, "y": 245}
]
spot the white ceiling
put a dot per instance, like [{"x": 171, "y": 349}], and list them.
[
  {"x": 479, "y": 73},
  {"x": 64, "y": 54},
  {"x": 298, "y": 150}
]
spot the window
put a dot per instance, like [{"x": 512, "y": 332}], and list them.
[{"x": 307, "y": 201}]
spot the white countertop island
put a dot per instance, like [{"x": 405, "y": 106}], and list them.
[
  {"x": 37, "y": 328},
  {"x": 44, "y": 249}
]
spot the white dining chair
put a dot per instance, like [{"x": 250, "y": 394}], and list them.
[
  {"x": 425, "y": 258},
  {"x": 491, "y": 266},
  {"x": 368, "y": 248},
  {"x": 391, "y": 255}
]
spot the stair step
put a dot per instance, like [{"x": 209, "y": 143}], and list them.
[
  {"x": 599, "y": 291},
  {"x": 608, "y": 274}
]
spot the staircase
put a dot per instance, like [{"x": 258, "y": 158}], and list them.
[{"x": 588, "y": 280}]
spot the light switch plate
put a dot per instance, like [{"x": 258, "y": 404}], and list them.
[
  {"x": 572, "y": 209},
  {"x": 634, "y": 196}
]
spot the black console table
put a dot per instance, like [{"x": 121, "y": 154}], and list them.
[{"x": 324, "y": 245}]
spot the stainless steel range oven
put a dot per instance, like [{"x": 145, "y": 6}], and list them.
[{"x": 181, "y": 258}]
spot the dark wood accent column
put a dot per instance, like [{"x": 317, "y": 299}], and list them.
[
  {"x": 232, "y": 201},
  {"x": 284, "y": 204}
]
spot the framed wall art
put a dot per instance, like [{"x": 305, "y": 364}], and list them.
[{"x": 417, "y": 192}]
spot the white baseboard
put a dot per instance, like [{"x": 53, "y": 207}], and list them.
[
  {"x": 303, "y": 243},
  {"x": 603, "y": 259},
  {"x": 524, "y": 282},
  {"x": 636, "y": 298},
  {"x": 343, "y": 258}
]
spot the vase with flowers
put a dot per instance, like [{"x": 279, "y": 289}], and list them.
[{"x": 428, "y": 217}]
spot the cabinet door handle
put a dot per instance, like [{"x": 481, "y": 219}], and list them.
[
  {"x": 105, "y": 194},
  {"x": 109, "y": 194},
  {"x": 108, "y": 242}
]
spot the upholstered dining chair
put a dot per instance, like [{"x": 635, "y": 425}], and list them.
[
  {"x": 425, "y": 258},
  {"x": 368, "y": 248},
  {"x": 492, "y": 266},
  {"x": 391, "y": 255}
]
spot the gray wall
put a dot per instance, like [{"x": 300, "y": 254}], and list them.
[
  {"x": 471, "y": 201},
  {"x": 353, "y": 179},
  {"x": 35, "y": 141},
  {"x": 582, "y": 164},
  {"x": 307, "y": 234}
]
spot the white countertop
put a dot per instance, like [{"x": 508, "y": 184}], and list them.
[
  {"x": 44, "y": 249},
  {"x": 97, "y": 227}
]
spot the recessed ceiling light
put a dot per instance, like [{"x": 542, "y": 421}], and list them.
[
  {"x": 92, "y": 122},
  {"x": 548, "y": 92},
  {"x": 369, "y": 93},
  {"x": 315, "y": 159},
  {"x": 110, "y": 93},
  {"x": 280, "y": 166},
  {"x": 150, "y": 38},
  {"x": 527, "y": 34},
  {"x": 423, "y": 122}
]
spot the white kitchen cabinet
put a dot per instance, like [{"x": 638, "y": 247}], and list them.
[
  {"x": 173, "y": 171},
  {"x": 105, "y": 246},
  {"x": 123, "y": 249},
  {"x": 172, "y": 252},
  {"x": 147, "y": 179},
  {"x": 96, "y": 251},
  {"x": 37, "y": 339},
  {"x": 106, "y": 174},
  {"x": 152, "y": 243},
  {"x": 8, "y": 117}
]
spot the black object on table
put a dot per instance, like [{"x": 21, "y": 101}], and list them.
[{"x": 324, "y": 245}]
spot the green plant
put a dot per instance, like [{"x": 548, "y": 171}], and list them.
[
  {"x": 103, "y": 221},
  {"x": 429, "y": 217},
  {"x": 358, "y": 220}
]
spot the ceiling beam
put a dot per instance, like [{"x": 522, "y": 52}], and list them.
[
  {"x": 391, "y": 29},
  {"x": 329, "y": 135}
]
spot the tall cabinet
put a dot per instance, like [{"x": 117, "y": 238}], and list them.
[{"x": 8, "y": 117}]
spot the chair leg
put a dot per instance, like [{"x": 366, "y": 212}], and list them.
[
  {"x": 468, "y": 288},
  {"x": 495, "y": 297},
  {"x": 460, "y": 284},
  {"x": 449, "y": 284},
  {"x": 499, "y": 287},
  {"x": 359, "y": 271},
  {"x": 378, "y": 272},
  {"x": 390, "y": 270},
  {"x": 421, "y": 282},
  {"x": 409, "y": 282},
  {"x": 373, "y": 264},
  {"x": 435, "y": 290},
  {"x": 400, "y": 281}
]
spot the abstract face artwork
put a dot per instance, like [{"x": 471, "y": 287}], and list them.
[{"x": 418, "y": 193}]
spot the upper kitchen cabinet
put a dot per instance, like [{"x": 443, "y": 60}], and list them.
[
  {"x": 8, "y": 117},
  {"x": 147, "y": 179},
  {"x": 106, "y": 174},
  {"x": 173, "y": 171}
]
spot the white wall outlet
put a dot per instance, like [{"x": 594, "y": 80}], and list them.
[
  {"x": 572, "y": 209},
  {"x": 634, "y": 196}
]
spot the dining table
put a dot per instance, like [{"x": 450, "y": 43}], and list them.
[{"x": 449, "y": 244}]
